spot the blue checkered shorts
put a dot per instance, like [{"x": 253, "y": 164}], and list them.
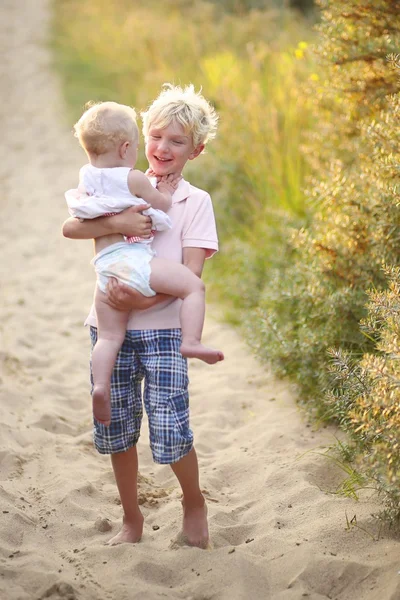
[{"x": 151, "y": 356}]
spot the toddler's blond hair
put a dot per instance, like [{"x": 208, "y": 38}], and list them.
[
  {"x": 104, "y": 125},
  {"x": 185, "y": 106}
]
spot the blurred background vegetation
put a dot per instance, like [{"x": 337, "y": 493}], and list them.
[{"x": 304, "y": 175}]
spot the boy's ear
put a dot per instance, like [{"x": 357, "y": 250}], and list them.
[{"x": 198, "y": 150}]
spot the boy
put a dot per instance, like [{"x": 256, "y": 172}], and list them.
[{"x": 176, "y": 127}]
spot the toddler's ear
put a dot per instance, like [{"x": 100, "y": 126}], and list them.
[
  {"x": 198, "y": 150},
  {"x": 123, "y": 149}
]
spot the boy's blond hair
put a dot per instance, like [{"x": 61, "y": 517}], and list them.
[
  {"x": 185, "y": 106},
  {"x": 104, "y": 125}
]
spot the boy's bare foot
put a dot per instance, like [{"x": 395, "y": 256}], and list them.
[
  {"x": 209, "y": 355},
  {"x": 101, "y": 404},
  {"x": 195, "y": 526},
  {"x": 131, "y": 532}
]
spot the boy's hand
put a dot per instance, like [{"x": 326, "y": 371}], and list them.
[
  {"x": 131, "y": 223},
  {"x": 122, "y": 297}
]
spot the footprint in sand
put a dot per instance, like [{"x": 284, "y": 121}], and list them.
[
  {"x": 59, "y": 591},
  {"x": 54, "y": 424}
]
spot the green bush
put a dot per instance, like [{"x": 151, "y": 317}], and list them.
[
  {"x": 366, "y": 397},
  {"x": 318, "y": 299}
]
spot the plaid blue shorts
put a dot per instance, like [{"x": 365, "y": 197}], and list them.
[{"x": 151, "y": 356}]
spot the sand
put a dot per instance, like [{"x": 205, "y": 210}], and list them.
[{"x": 276, "y": 531}]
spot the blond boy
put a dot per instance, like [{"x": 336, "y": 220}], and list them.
[{"x": 177, "y": 126}]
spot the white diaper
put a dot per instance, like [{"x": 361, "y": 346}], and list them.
[{"x": 129, "y": 263}]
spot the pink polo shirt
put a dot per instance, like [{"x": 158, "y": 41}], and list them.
[{"x": 193, "y": 226}]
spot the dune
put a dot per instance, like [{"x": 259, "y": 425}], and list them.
[{"x": 277, "y": 531}]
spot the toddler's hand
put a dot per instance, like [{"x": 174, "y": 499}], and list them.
[
  {"x": 150, "y": 173},
  {"x": 169, "y": 183}
]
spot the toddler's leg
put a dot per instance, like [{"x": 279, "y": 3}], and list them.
[
  {"x": 177, "y": 280},
  {"x": 111, "y": 328}
]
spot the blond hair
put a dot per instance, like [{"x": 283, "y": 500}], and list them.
[
  {"x": 185, "y": 106},
  {"x": 105, "y": 124}
]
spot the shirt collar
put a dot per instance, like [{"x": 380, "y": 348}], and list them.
[{"x": 182, "y": 192}]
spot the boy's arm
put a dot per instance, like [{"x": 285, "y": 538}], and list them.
[
  {"x": 161, "y": 198},
  {"x": 129, "y": 222},
  {"x": 193, "y": 259}
]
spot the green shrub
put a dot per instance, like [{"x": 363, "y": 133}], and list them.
[
  {"x": 366, "y": 398},
  {"x": 318, "y": 299}
]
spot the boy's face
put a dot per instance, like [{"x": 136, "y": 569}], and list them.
[{"x": 169, "y": 149}]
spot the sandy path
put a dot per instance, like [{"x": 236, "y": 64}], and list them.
[{"x": 275, "y": 533}]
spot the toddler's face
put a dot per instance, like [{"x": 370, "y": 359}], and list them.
[{"x": 168, "y": 149}]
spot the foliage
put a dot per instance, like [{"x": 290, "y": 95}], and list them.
[
  {"x": 366, "y": 398},
  {"x": 317, "y": 301},
  {"x": 244, "y": 6},
  {"x": 310, "y": 311}
]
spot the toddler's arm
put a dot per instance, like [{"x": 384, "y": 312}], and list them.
[{"x": 161, "y": 198}]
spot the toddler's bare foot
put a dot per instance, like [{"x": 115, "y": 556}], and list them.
[
  {"x": 209, "y": 355},
  {"x": 102, "y": 404},
  {"x": 131, "y": 532},
  {"x": 195, "y": 526}
]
